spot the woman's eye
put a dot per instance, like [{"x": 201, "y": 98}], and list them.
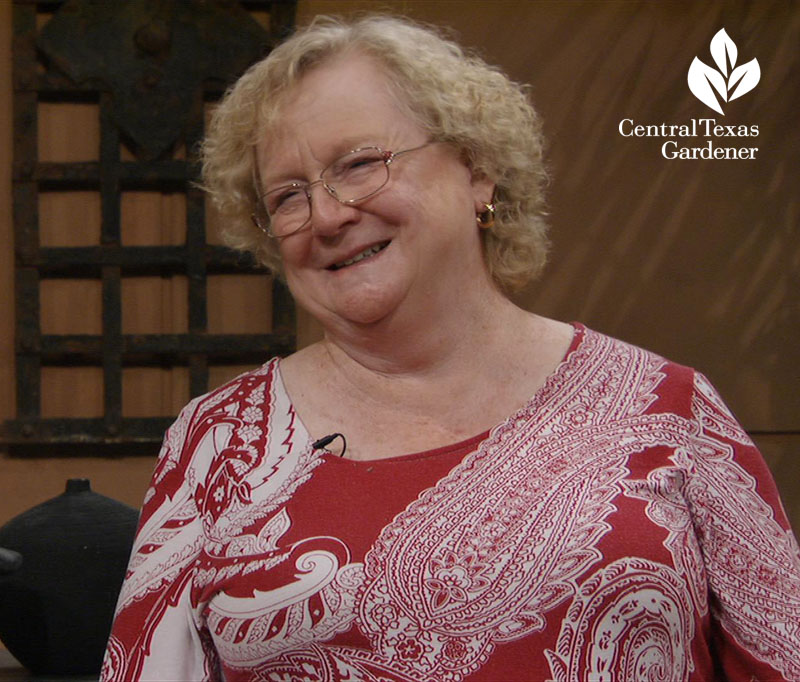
[
  {"x": 361, "y": 163},
  {"x": 285, "y": 199},
  {"x": 354, "y": 164}
]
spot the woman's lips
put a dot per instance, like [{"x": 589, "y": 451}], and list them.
[{"x": 362, "y": 255}]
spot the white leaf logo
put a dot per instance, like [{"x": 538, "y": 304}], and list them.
[
  {"x": 744, "y": 78},
  {"x": 701, "y": 78},
  {"x": 724, "y": 51},
  {"x": 727, "y": 81}
]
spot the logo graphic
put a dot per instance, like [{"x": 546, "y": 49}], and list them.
[{"x": 729, "y": 82}]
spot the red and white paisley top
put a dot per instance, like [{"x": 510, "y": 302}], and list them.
[{"x": 620, "y": 526}]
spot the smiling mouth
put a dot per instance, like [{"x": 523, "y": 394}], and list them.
[{"x": 366, "y": 253}]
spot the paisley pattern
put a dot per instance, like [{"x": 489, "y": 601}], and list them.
[
  {"x": 619, "y": 526},
  {"x": 667, "y": 507},
  {"x": 628, "y": 622}
]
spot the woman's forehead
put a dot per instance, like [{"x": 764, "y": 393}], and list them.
[{"x": 340, "y": 104}]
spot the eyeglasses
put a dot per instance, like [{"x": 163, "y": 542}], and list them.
[{"x": 351, "y": 178}]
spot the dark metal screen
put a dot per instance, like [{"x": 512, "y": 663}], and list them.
[{"x": 40, "y": 74}]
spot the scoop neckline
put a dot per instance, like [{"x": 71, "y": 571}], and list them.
[
  {"x": 578, "y": 334},
  {"x": 466, "y": 445}
]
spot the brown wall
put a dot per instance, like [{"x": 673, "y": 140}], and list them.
[{"x": 697, "y": 260}]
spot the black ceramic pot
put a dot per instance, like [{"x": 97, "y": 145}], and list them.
[
  {"x": 9, "y": 561},
  {"x": 56, "y": 607}
]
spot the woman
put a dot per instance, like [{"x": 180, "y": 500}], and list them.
[{"x": 505, "y": 497}]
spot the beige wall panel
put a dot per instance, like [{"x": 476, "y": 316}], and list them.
[
  {"x": 152, "y": 218},
  {"x": 220, "y": 374},
  {"x": 68, "y": 132},
  {"x": 154, "y": 391},
  {"x": 155, "y": 305},
  {"x": 72, "y": 392},
  {"x": 71, "y": 306},
  {"x": 25, "y": 482},
  {"x": 69, "y": 218},
  {"x": 239, "y": 304}
]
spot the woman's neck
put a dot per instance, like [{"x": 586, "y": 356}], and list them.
[
  {"x": 420, "y": 339},
  {"x": 394, "y": 390},
  {"x": 421, "y": 361}
]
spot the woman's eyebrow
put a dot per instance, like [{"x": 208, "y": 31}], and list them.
[
  {"x": 342, "y": 146},
  {"x": 280, "y": 179}
]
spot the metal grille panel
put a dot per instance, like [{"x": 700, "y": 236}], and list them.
[{"x": 38, "y": 79}]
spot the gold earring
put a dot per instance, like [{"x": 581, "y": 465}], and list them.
[{"x": 486, "y": 218}]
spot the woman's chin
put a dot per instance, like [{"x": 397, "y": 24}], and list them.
[
  {"x": 366, "y": 312},
  {"x": 363, "y": 307}
]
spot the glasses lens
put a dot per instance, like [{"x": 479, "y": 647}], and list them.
[
  {"x": 287, "y": 209},
  {"x": 357, "y": 174},
  {"x": 352, "y": 177}
]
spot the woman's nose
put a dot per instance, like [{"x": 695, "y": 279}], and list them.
[{"x": 328, "y": 214}]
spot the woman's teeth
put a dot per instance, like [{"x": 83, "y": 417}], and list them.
[{"x": 366, "y": 253}]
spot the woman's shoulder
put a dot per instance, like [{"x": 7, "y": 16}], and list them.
[
  {"x": 618, "y": 380},
  {"x": 250, "y": 386},
  {"x": 239, "y": 415},
  {"x": 610, "y": 348},
  {"x": 622, "y": 366}
]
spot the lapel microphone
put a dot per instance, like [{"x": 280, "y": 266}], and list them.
[{"x": 327, "y": 440}]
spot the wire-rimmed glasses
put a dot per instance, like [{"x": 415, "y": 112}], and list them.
[{"x": 351, "y": 178}]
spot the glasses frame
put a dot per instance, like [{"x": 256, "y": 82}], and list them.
[{"x": 387, "y": 157}]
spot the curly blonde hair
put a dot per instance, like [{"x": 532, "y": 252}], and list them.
[{"x": 456, "y": 96}]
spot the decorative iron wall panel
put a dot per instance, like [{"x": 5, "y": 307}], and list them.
[{"x": 150, "y": 66}]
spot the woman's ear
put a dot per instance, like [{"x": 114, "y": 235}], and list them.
[
  {"x": 483, "y": 196},
  {"x": 482, "y": 192}
]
